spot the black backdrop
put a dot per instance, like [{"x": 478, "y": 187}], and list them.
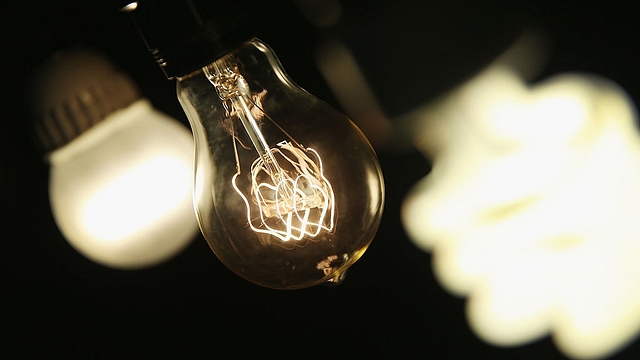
[{"x": 60, "y": 305}]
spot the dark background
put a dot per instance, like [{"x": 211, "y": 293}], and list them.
[{"x": 57, "y": 304}]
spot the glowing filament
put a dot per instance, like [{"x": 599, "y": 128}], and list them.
[
  {"x": 298, "y": 204},
  {"x": 293, "y": 198}
]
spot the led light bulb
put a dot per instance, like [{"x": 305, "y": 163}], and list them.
[
  {"x": 120, "y": 170},
  {"x": 288, "y": 191}
]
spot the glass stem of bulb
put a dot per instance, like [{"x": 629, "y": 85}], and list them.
[
  {"x": 288, "y": 196},
  {"x": 233, "y": 88}
]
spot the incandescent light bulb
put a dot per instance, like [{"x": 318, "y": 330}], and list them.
[
  {"x": 288, "y": 191},
  {"x": 120, "y": 170}
]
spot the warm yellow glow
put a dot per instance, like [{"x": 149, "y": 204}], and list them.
[
  {"x": 531, "y": 209},
  {"x": 148, "y": 202},
  {"x": 296, "y": 204},
  {"x": 290, "y": 196},
  {"x": 129, "y": 7}
]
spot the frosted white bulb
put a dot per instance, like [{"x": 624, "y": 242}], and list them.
[
  {"x": 121, "y": 172},
  {"x": 121, "y": 193}
]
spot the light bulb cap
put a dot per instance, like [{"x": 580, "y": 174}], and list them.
[
  {"x": 73, "y": 90},
  {"x": 184, "y": 36}
]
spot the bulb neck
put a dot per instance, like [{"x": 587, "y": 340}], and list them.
[{"x": 185, "y": 35}]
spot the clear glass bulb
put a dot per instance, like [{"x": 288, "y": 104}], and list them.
[{"x": 288, "y": 191}]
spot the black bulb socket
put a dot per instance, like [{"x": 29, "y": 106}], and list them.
[{"x": 185, "y": 35}]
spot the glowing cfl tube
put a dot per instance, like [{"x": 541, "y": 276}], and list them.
[{"x": 531, "y": 209}]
